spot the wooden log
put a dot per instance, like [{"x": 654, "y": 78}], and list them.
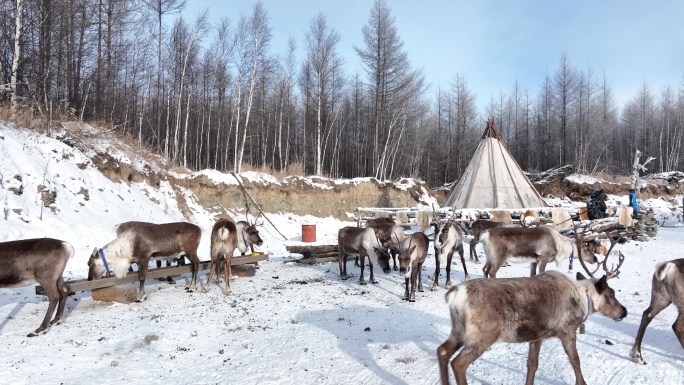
[
  {"x": 311, "y": 249},
  {"x": 312, "y": 260},
  {"x": 118, "y": 293},
  {"x": 161, "y": 272}
]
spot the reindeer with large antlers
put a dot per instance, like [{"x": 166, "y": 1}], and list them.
[{"x": 487, "y": 311}]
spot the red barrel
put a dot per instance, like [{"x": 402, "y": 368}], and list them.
[{"x": 308, "y": 233}]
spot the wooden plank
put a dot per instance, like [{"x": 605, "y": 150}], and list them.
[
  {"x": 312, "y": 260},
  {"x": 160, "y": 272}
]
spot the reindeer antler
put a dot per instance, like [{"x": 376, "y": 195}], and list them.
[{"x": 614, "y": 272}]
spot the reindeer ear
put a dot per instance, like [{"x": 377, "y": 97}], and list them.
[
  {"x": 580, "y": 277},
  {"x": 601, "y": 284},
  {"x": 412, "y": 248},
  {"x": 94, "y": 254}
]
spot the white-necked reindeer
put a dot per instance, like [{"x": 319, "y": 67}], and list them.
[
  {"x": 412, "y": 253},
  {"x": 447, "y": 240},
  {"x": 139, "y": 244},
  {"x": 248, "y": 235}
]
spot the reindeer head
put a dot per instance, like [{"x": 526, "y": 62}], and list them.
[
  {"x": 602, "y": 296},
  {"x": 405, "y": 258},
  {"x": 252, "y": 232},
  {"x": 382, "y": 251},
  {"x": 95, "y": 265}
]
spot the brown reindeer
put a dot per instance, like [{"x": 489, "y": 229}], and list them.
[
  {"x": 139, "y": 244},
  {"x": 412, "y": 253},
  {"x": 447, "y": 240},
  {"x": 538, "y": 245},
  {"x": 40, "y": 260},
  {"x": 362, "y": 242},
  {"x": 478, "y": 227},
  {"x": 223, "y": 244},
  {"x": 667, "y": 287},
  {"x": 487, "y": 311}
]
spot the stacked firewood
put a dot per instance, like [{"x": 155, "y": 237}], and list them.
[{"x": 645, "y": 225}]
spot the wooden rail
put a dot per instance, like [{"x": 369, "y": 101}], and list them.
[{"x": 160, "y": 272}]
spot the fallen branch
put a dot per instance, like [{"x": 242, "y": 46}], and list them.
[{"x": 256, "y": 204}]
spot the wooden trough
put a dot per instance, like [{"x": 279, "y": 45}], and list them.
[{"x": 160, "y": 272}]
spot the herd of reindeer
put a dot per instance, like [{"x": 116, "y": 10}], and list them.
[{"x": 483, "y": 311}]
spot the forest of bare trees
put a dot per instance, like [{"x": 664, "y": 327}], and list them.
[{"x": 221, "y": 96}]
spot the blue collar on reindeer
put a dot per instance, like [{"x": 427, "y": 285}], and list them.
[
  {"x": 104, "y": 260},
  {"x": 588, "y": 307},
  {"x": 244, "y": 239}
]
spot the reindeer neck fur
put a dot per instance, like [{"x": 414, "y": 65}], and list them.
[
  {"x": 370, "y": 242},
  {"x": 588, "y": 291},
  {"x": 566, "y": 248},
  {"x": 242, "y": 243},
  {"x": 119, "y": 254},
  {"x": 452, "y": 237}
]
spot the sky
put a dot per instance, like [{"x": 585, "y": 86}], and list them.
[
  {"x": 495, "y": 43},
  {"x": 290, "y": 323}
]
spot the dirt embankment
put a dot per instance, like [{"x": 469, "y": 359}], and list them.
[{"x": 304, "y": 196}]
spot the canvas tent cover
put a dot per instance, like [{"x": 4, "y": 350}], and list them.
[{"x": 493, "y": 179}]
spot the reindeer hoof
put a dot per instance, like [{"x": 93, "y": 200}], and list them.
[
  {"x": 396, "y": 268},
  {"x": 420, "y": 289},
  {"x": 434, "y": 288},
  {"x": 37, "y": 333},
  {"x": 228, "y": 292},
  {"x": 636, "y": 357},
  {"x": 373, "y": 281},
  {"x": 170, "y": 280},
  {"x": 405, "y": 298},
  {"x": 362, "y": 282}
]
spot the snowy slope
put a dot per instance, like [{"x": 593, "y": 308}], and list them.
[{"x": 290, "y": 323}]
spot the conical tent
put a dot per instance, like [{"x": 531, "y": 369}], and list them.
[{"x": 493, "y": 179}]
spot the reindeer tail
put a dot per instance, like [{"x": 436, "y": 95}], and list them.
[{"x": 223, "y": 233}]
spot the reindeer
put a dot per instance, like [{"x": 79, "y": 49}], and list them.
[
  {"x": 448, "y": 238},
  {"x": 412, "y": 253},
  {"x": 362, "y": 242},
  {"x": 223, "y": 244},
  {"x": 139, "y": 244},
  {"x": 390, "y": 232},
  {"x": 40, "y": 260},
  {"x": 487, "y": 311},
  {"x": 539, "y": 245},
  {"x": 247, "y": 236},
  {"x": 121, "y": 227},
  {"x": 667, "y": 287}
]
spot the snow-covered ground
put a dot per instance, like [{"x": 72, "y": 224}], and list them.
[{"x": 290, "y": 323}]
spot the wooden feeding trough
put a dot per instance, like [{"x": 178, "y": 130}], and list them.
[
  {"x": 160, "y": 272},
  {"x": 314, "y": 253}
]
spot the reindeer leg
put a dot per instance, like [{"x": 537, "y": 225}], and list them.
[
  {"x": 445, "y": 351},
  {"x": 420, "y": 277},
  {"x": 473, "y": 250},
  {"x": 465, "y": 269},
  {"x": 394, "y": 260},
  {"x": 569, "y": 341},
  {"x": 372, "y": 277},
  {"x": 533, "y": 361},
  {"x": 170, "y": 279},
  {"x": 227, "y": 269},
  {"x": 194, "y": 260},
  {"x": 142, "y": 275},
  {"x": 467, "y": 356},
  {"x": 64, "y": 291},
  {"x": 659, "y": 301},
  {"x": 435, "y": 280},
  {"x": 54, "y": 295},
  {"x": 406, "y": 290},
  {"x": 362, "y": 260},
  {"x": 414, "y": 271},
  {"x": 342, "y": 261},
  {"x": 213, "y": 263},
  {"x": 448, "y": 268}
]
